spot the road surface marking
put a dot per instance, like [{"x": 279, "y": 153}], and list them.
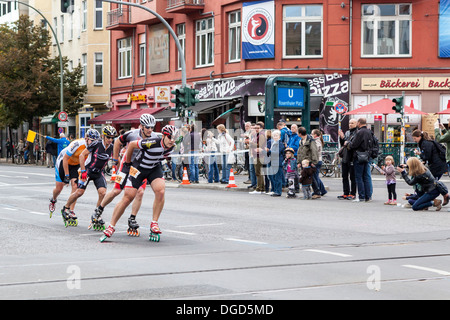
[
  {"x": 441, "y": 272},
  {"x": 246, "y": 241},
  {"x": 201, "y": 225},
  {"x": 181, "y": 232},
  {"x": 329, "y": 252}
]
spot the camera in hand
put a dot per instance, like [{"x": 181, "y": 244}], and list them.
[{"x": 403, "y": 166}]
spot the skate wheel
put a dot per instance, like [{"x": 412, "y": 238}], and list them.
[
  {"x": 137, "y": 233},
  {"x": 103, "y": 238},
  {"x": 90, "y": 226},
  {"x": 154, "y": 237}
]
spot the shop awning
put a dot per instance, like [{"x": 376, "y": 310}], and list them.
[
  {"x": 109, "y": 117},
  {"x": 135, "y": 114},
  {"x": 200, "y": 107},
  {"x": 50, "y": 119}
]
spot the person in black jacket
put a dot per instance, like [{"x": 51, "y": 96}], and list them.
[
  {"x": 348, "y": 170},
  {"x": 421, "y": 176},
  {"x": 429, "y": 153},
  {"x": 361, "y": 145}
]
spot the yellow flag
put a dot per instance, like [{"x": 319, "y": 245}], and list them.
[{"x": 31, "y": 136}]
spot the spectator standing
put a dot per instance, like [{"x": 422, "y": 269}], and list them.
[
  {"x": 246, "y": 139},
  {"x": 50, "y": 150},
  {"x": 308, "y": 151},
  {"x": 317, "y": 136},
  {"x": 389, "y": 171},
  {"x": 266, "y": 164},
  {"x": 195, "y": 143},
  {"x": 361, "y": 147},
  {"x": 226, "y": 144},
  {"x": 211, "y": 147},
  {"x": 306, "y": 179},
  {"x": 258, "y": 149},
  {"x": 348, "y": 170},
  {"x": 61, "y": 143},
  {"x": 251, "y": 160},
  {"x": 8, "y": 147},
  {"x": 275, "y": 169},
  {"x": 442, "y": 135},
  {"x": 290, "y": 167}
]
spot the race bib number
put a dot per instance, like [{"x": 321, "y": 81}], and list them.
[
  {"x": 120, "y": 176},
  {"x": 134, "y": 172}
]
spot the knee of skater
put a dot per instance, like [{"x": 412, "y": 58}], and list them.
[{"x": 159, "y": 194}]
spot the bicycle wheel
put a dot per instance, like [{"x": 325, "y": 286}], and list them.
[{"x": 327, "y": 169}]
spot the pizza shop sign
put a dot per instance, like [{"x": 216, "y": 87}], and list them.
[{"x": 407, "y": 83}]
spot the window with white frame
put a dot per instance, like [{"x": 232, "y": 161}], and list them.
[
  {"x": 234, "y": 36},
  {"x": 386, "y": 30},
  {"x": 61, "y": 37},
  {"x": 70, "y": 26},
  {"x": 302, "y": 31},
  {"x": 142, "y": 59},
  {"x": 204, "y": 35},
  {"x": 181, "y": 34},
  {"x": 98, "y": 14},
  {"x": 84, "y": 69},
  {"x": 83, "y": 15},
  {"x": 124, "y": 50},
  {"x": 55, "y": 27},
  {"x": 98, "y": 68}
]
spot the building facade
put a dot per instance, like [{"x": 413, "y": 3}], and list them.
[
  {"x": 83, "y": 38},
  {"x": 351, "y": 52}
]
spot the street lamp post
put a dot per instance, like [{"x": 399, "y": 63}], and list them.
[{"x": 59, "y": 49}]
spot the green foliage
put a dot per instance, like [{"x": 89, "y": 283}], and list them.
[{"x": 30, "y": 79}]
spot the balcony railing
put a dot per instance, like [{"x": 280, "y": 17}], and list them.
[
  {"x": 184, "y": 5},
  {"x": 119, "y": 17}
]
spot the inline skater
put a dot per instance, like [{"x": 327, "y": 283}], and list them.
[
  {"x": 146, "y": 165},
  {"x": 66, "y": 171},
  {"x": 145, "y": 130},
  {"x": 97, "y": 155}
]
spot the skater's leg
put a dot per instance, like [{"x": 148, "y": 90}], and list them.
[
  {"x": 137, "y": 202},
  {"x": 57, "y": 190},
  {"x": 110, "y": 196},
  {"x": 74, "y": 189},
  {"x": 119, "y": 209},
  {"x": 74, "y": 196},
  {"x": 101, "y": 195},
  {"x": 159, "y": 188}
]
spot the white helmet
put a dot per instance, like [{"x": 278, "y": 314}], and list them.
[{"x": 147, "y": 120}]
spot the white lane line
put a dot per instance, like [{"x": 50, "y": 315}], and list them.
[
  {"x": 441, "y": 272},
  {"x": 329, "y": 252},
  {"x": 246, "y": 241},
  {"x": 201, "y": 225},
  {"x": 39, "y": 213},
  {"x": 181, "y": 232},
  {"x": 12, "y": 209}
]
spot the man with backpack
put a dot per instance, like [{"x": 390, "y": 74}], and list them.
[{"x": 364, "y": 147}]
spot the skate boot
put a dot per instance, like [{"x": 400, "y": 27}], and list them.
[
  {"x": 52, "y": 206},
  {"x": 97, "y": 222},
  {"x": 69, "y": 217},
  {"x": 107, "y": 233},
  {"x": 154, "y": 232},
  {"x": 133, "y": 227}
]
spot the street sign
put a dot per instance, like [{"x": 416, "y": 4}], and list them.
[
  {"x": 60, "y": 130},
  {"x": 290, "y": 97},
  {"x": 340, "y": 108},
  {"x": 62, "y": 116},
  {"x": 63, "y": 124}
]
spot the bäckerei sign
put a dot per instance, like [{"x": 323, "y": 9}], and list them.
[{"x": 407, "y": 83}]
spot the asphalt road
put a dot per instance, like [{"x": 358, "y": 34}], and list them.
[{"x": 221, "y": 245}]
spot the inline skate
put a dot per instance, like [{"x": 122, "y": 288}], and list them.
[
  {"x": 97, "y": 222},
  {"x": 154, "y": 232},
  {"x": 52, "y": 206},
  {"x": 107, "y": 233},
  {"x": 69, "y": 217},
  {"x": 133, "y": 227}
]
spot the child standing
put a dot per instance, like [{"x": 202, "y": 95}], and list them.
[
  {"x": 290, "y": 167},
  {"x": 306, "y": 178},
  {"x": 389, "y": 171}
]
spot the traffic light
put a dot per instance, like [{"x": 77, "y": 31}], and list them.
[
  {"x": 179, "y": 100},
  {"x": 398, "y": 107},
  {"x": 192, "y": 99},
  {"x": 67, "y": 6}
]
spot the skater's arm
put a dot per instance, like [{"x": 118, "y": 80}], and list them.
[
  {"x": 131, "y": 146},
  {"x": 83, "y": 156},
  {"x": 116, "y": 150}
]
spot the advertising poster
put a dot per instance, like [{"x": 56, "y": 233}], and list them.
[
  {"x": 258, "y": 24},
  {"x": 158, "y": 49},
  {"x": 444, "y": 29}
]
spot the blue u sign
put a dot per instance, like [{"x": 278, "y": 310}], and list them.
[{"x": 290, "y": 97}]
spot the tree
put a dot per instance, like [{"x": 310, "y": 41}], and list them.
[{"x": 30, "y": 79}]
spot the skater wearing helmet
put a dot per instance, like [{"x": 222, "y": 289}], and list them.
[
  {"x": 145, "y": 131},
  {"x": 66, "y": 171},
  {"x": 97, "y": 155},
  {"x": 146, "y": 165}
]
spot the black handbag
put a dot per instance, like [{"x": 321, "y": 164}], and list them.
[{"x": 362, "y": 156}]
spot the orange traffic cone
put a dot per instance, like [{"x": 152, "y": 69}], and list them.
[
  {"x": 113, "y": 174},
  {"x": 231, "y": 182},
  {"x": 185, "y": 177}
]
